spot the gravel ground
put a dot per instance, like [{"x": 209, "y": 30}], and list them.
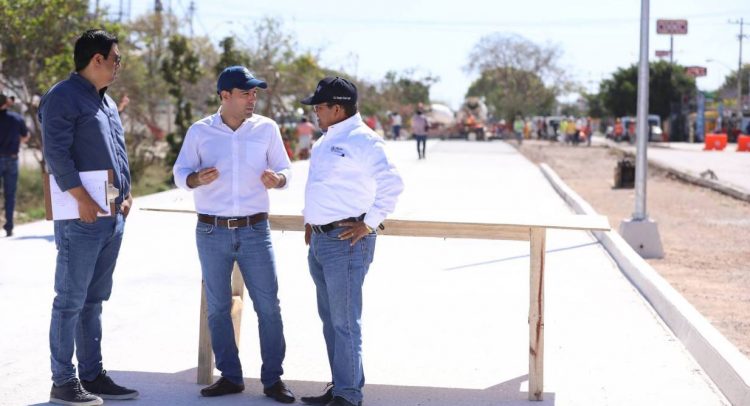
[{"x": 706, "y": 235}]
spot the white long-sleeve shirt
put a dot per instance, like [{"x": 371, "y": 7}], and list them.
[
  {"x": 349, "y": 175},
  {"x": 241, "y": 156}
]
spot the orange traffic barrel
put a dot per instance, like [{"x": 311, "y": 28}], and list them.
[
  {"x": 743, "y": 142},
  {"x": 715, "y": 141}
]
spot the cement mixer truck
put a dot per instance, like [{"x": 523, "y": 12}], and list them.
[{"x": 471, "y": 119}]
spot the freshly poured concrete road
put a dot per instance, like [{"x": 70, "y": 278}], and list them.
[{"x": 445, "y": 321}]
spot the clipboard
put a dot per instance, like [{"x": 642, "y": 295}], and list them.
[{"x": 59, "y": 205}]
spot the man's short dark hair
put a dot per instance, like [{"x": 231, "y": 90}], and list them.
[
  {"x": 350, "y": 109},
  {"x": 90, "y": 43}
]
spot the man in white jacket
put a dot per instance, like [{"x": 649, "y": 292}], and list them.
[{"x": 351, "y": 187}]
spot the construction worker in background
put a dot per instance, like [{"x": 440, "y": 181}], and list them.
[
  {"x": 619, "y": 130},
  {"x": 518, "y": 126}
]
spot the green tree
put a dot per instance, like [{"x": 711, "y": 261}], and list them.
[
  {"x": 508, "y": 91},
  {"x": 595, "y": 104},
  {"x": 291, "y": 75},
  {"x": 230, "y": 55},
  {"x": 144, "y": 50},
  {"x": 728, "y": 89},
  {"x": 36, "y": 48},
  {"x": 667, "y": 84},
  {"x": 516, "y": 75},
  {"x": 397, "y": 91},
  {"x": 181, "y": 69}
]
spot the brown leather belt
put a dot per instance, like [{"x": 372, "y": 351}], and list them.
[{"x": 232, "y": 222}]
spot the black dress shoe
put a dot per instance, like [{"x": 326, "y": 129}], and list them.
[
  {"x": 319, "y": 400},
  {"x": 339, "y": 401},
  {"x": 279, "y": 392},
  {"x": 104, "y": 387},
  {"x": 222, "y": 387}
]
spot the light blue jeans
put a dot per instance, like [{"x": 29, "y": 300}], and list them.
[
  {"x": 218, "y": 249},
  {"x": 86, "y": 257},
  {"x": 338, "y": 270}
]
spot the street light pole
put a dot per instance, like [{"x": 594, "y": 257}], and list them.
[
  {"x": 641, "y": 163},
  {"x": 639, "y": 231},
  {"x": 742, "y": 24},
  {"x": 739, "y": 77}
]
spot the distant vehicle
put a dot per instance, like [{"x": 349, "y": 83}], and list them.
[
  {"x": 442, "y": 121},
  {"x": 655, "y": 132},
  {"x": 471, "y": 119}
]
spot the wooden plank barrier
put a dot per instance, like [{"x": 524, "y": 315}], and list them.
[{"x": 534, "y": 230}]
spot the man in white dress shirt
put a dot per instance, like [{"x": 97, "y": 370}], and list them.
[
  {"x": 229, "y": 160},
  {"x": 351, "y": 187}
]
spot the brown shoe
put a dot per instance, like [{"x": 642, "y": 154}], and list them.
[
  {"x": 279, "y": 392},
  {"x": 222, "y": 387}
]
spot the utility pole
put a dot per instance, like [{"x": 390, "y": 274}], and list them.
[
  {"x": 191, "y": 15},
  {"x": 641, "y": 232},
  {"x": 742, "y": 24}
]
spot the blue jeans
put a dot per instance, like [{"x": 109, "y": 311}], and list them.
[
  {"x": 338, "y": 271},
  {"x": 86, "y": 257},
  {"x": 9, "y": 181},
  {"x": 218, "y": 249},
  {"x": 396, "y": 129}
]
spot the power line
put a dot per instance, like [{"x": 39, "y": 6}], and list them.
[{"x": 475, "y": 23}]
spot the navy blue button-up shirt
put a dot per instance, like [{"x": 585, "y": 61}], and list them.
[
  {"x": 81, "y": 130},
  {"x": 12, "y": 128}
]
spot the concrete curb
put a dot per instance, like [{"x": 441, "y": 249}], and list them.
[
  {"x": 722, "y": 361},
  {"x": 719, "y": 186}
]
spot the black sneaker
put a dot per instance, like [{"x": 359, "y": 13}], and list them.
[
  {"x": 104, "y": 387},
  {"x": 222, "y": 387},
  {"x": 320, "y": 400},
  {"x": 72, "y": 393}
]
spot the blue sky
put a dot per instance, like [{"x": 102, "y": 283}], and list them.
[{"x": 436, "y": 36}]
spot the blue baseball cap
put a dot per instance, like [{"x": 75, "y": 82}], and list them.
[
  {"x": 238, "y": 77},
  {"x": 333, "y": 90}
]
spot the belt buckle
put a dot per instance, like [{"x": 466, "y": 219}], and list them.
[{"x": 229, "y": 223}]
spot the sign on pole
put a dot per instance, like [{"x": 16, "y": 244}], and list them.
[
  {"x": 671, "y": 27},
  {"x": 696, "y": 71},
  {"x": 663, "y": 54}
]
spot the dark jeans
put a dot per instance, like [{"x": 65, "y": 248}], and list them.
[
  {"x": 396, "y": 131},
  {"x": 86, "y": 257},
  {"x": 9, "y": 182},
  {"x": 421, "y": 144}
]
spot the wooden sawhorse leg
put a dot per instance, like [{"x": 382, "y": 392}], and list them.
[
  {"x": 536, "y": 315},
  {"x": 205, "y": 354}
]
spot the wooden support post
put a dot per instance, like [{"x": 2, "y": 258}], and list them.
[
  {"x": 205, "y": 354},
  {"x": 536, "y": 315},
  {"x": 238, "y": 294}
]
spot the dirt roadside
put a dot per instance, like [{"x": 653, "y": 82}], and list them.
[{"x": 705, "y": 234}]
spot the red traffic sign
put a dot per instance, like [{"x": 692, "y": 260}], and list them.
[
  {"x": 696, "y": 71},
  {"x": 671, "y": 27},
  {"x": 662, "y": 54}
]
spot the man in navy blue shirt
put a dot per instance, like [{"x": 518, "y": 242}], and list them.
[
  {"x": 13, "y": 132},
  {"x": 81, "y": 131}
]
